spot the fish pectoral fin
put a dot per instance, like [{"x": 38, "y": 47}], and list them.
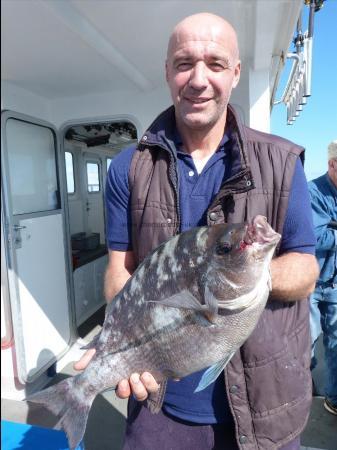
[
  {"x": 183, "y": 299},
  {"x": 186, "y": 300},
  {"x": 213, "y": 372},
  {"x": 155, "y": 400}
]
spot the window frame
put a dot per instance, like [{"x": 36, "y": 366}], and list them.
[
  {"x": 74, "y": 178},
  {"x": 106, "y": 163},
  {"x": 99, "y": 177}
]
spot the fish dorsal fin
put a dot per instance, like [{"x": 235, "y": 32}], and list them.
[
  {"x": 213, "y": 372},
  {"x": 186, "y": 300}
]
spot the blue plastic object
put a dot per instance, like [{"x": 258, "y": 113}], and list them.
[{"x": 19, "y": 436}]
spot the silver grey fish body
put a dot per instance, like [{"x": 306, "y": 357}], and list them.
[{"x": 190, "y": 305}]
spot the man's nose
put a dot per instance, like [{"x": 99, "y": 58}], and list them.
[{"x": 198, "y": 76}]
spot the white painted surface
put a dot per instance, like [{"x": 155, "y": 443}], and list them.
[
  {"x": 42, "y": 329},
  {"x": 93, "y": 201},
  {"x": 21, "y": 99},
  {"x": 259, "y": 100},
  {"x": 88, "y": 286},
  {"x": 82, "y": 61},
  {"x": 37, "y": 267},
  {"x": 6, "y": 322}
]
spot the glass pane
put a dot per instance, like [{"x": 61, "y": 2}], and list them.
[
  {"x": 32, "y": 167},
  {"x": 108, "y": 161},
  {"x": 70, "y": 173},
  {"x": 93, "y": 177}
]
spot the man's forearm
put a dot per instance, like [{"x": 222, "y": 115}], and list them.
[
  {"x": 293, "y": 276},
  {"x": 120, "y": 267},
  {"x": 114, "y": 282}
]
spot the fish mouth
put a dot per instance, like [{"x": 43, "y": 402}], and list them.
[{"x": 259, "y": 231}]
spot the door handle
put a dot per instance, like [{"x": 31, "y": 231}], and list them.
[{"x": 19, "y": 227}]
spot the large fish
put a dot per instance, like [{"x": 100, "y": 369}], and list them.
[{"x": 190, "y": 305}]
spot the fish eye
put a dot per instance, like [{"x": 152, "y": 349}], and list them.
[{"x": 223, "y": 247}]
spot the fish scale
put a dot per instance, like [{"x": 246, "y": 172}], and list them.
[{"x": 190, "y": 305}]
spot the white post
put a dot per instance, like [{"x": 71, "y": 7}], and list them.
[{"x": 259, "y": 100}]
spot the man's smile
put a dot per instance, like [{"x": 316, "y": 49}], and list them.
[{"x": 197, "y": 100}]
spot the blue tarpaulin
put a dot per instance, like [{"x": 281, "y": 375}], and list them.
[{"x": 19, "y": 436}]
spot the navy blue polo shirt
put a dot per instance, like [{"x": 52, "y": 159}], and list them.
[{"x": 196, "y": 192}]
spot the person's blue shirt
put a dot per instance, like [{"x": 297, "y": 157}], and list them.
[
  {"x": 323, "y": 195},
  {"x": 196, "y": 192}
]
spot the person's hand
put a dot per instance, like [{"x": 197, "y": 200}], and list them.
[
  {"x": 140, "y": 386},
  {"x": 85, "y": 359}
]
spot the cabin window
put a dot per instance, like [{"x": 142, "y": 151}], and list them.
[
  {"x": 32, "y": 166},
  {"x": 108, "y": 162},
  {"x": 93, "y": 177},
  {"x": 70, "y": 172}
]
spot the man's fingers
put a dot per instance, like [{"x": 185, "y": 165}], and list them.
[
  {"x": 139, "y": 386},
  {"x": 85, "y": 360},
  {"x": 149, "y": 382},
  {"x": 123, "y": 389}
]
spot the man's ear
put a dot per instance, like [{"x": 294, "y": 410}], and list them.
[
  {"x": 237, "y": 72},
  {"x": 166, "y": 71}
]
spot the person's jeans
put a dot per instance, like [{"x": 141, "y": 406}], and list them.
[{"x": 323, "y": 318}]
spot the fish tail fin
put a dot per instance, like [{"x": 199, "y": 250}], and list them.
[{"x": 70, "y": 404}]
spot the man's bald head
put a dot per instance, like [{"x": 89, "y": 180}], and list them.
[
  {"x": 202, "y": 68},
  {"x": 207, "y": 26}
]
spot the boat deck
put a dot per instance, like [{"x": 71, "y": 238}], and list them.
[{"x": 107, "y": 416}]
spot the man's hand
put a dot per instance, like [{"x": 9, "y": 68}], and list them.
[
  {"x": 85, "y": 359},
  {"x": 140, "y": 386}
]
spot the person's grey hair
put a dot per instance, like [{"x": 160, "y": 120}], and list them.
[{"x": 332, "y": 150}]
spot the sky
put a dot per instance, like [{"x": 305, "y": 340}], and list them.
[{"x": 316, "y": 126}]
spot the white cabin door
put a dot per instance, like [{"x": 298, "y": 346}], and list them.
[
  {"x": 94, "y": 203},
  {"x": 38, "y": 261}
]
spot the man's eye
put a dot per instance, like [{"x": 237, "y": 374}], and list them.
[
  {"x": 183, "y": 66},
  {"x": 217, "y": 67}
]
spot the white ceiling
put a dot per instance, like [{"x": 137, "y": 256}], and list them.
[{"x": 57, "y": 48}]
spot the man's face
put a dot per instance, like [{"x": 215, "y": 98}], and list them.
[{"x": 202, "y": 68}]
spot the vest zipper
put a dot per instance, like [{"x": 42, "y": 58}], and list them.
[{"x": 226, "y": 190}]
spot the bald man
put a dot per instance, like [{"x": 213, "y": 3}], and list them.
[{"x": 196, "y": 165}]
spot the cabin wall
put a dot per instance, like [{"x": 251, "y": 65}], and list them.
[
  {"x": 139, "y": 107},
  {"x": 251, "y": 99},
  {"x": 15, "y": 98}
]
